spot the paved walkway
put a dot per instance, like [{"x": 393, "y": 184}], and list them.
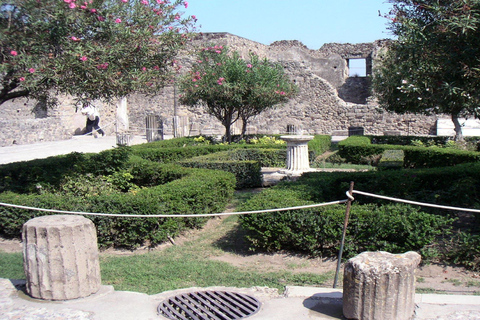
[
  {"x": 84, "y": 144},
  {"x": 297, "y": 302}
]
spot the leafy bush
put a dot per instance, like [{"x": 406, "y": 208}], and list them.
[
  {"x": 319, "y": 144},
  {"x": 355, "y": 148},
  {"x": 391, "y": 159},
  {"x": 115, "y": 182},
  {"x": 247, "y": 173},
  {"x": 394, "y": 228},
  {"x": 463, "y": 248}
]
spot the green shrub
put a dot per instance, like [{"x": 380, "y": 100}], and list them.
[
  {"x": 392, "y": 159},
  {"x": 247, "y": 173},
  {"x": 463, "y": 248},
  {"x": 195, "y": 191},
  {"x": 394, "y": 228},
  {"x": 355, "y": 148},
  {"x": 27, "y": 176},
  {"x": 319, "y": 144},
  {"x": 455, "y": 186}
]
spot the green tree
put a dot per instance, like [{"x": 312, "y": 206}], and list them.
[
  {"x": 96, "y": 49},
  {"x": 434, "y": 65},
  {"x": 231, "y": 88}
]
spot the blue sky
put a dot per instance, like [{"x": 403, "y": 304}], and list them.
[{"x": 313, "y": 22}]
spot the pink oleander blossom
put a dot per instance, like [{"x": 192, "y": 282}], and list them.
[
  {"x": 67, "y": 1},
  {"x": 14, "y": 53},
  {"x": 103, "y": 66},
  {"x": 31, "y": 70},
  {"x": 83, "y": 58},
  {"x": 185, "y": 4},
  {"x": 21, "y": 79},
  {"x": 249, "y": 65},
  {"x": 100, "y": 18},
  {"x": 93, "y": 10},
  {"x": 74, "y": 38},
  {"x": 118, "y": 20},
  {"x": 72, "y": 5}
]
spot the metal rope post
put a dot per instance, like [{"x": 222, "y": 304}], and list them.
[{"x": 345, "y": 224}]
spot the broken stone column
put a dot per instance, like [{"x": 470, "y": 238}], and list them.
[
  {"x": 61, "y": 257},
  {"x": 380, "y": 285}
]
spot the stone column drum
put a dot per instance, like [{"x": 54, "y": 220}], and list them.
[
  {"x": 380, "y": 285},
  {"x": 61, "y": 257},
  {"x": 297, "y": 153}
]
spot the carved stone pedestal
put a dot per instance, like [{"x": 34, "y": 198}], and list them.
[
  {"x": 380, "y": 285},
  {"x": 297, "y": 154},
  {"x": 61, "y": 257}
]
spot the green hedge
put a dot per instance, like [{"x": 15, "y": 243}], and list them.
[
  {"x": 247, "y": 173},
  {"x": 246, "y": 164},
  {"x": 198, "y": 191},
  {"x": 455, "y": 186},
  {"x": 320, "y": 144},
  {"x": 93, "y": 183},
  {"x": 356, "y": 149},
  {"x": 318, "y": 231},
  {"x": 27, "y": 176}
]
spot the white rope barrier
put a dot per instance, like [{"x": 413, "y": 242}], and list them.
[
  {"x": 423, "y": 204},
  {"x": 241, "y": 212},
  {"x": 173, "y": 215}
]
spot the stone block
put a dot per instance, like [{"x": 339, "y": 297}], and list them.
[
  {"x": 380, "y": 285},
  {"x": 61, "y": 257}
]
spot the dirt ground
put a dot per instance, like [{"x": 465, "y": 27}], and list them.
[{"x": 430, "y": 277}]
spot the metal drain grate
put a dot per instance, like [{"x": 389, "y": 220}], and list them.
[{"x": 209, "y": 305}]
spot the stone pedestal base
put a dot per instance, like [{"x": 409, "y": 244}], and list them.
[
  {"x": 380, "y": 285},
  {"x": 61, "y": 257},
  {"x": 297, "y": 154}
]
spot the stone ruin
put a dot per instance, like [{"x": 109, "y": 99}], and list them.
[{"x": 331, "y": 100}]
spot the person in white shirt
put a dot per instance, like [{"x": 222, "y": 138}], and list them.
[{"x": 93, "y": 118}]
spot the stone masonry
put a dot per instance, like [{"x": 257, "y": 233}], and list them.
[
  {"x": 380, "y": 285},
  {"x": 329, "y": 101},
  {"x": 61, "y": 257}
]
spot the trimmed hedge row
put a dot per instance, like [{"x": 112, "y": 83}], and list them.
[
  {"x": 320, "y": 144},
  {"x": 27, "y": 176},
  {"x": 455, "y": 186},
  {"x": 161, "y": 189},
  {"x": 246, "y": 164},
  {"x": 357, "y": 148},
  {"x": 318, "y": 231}
]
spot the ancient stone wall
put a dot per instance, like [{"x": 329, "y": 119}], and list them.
[{"x": 329, "y": 101}]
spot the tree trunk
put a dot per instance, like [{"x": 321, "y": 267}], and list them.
[
  {"x": 244, "y": 128},
  {"x": 458, "y": 128}
]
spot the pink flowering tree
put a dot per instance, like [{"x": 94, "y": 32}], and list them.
[
  {"x": 231, "y": 88},
  {"x": 97, "y": 49}
]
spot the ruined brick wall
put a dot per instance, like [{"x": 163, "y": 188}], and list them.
[{"x": 329, "y": 101}]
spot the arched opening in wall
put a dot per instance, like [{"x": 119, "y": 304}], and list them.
[{"x": 357, "y": 67}]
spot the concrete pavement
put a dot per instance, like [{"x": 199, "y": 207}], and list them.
[
  {"x": 84, "y": 144},
  {"x": 295, "y": 303}
]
